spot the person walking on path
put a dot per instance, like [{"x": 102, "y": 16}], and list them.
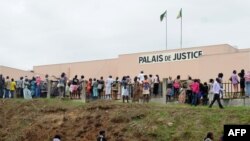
[{"x": 216, "y": 91}]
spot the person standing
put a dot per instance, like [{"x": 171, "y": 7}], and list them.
[
  {"x": 210, "y": 90},
  {"x": 82, "y": 88},
  {"x": 145, "y": 89},
  {"x": 205, "y": 94},
  {"x": 12, "y": 88},
  {"x": 195, "y": 86},
  {"x": 247, "y": 82},
  {"x": 242, "y": 82},
  {"x": 38, "y": 86},
  {"x": 124, "y": 85},
  {"x": 100, "y": 88},
  {"x": 23, "y": 86},
  {"x": 170, "y": 91},
  {"x": 156, "y": 82},
  {"x": 115, "y": 87},
  {"x": 108, "y": 85},
  {"x": 141, "y": 77},
  {"x": 61, "y": 84},
  {"x": 89, "y": 89},
  {"x": 19, "y": 87},
  {"x": 177, "y": 85},
  {"x": 33, "y": 87},
  {"x": 136, "y": 90},
  {"x": 75, "y": 83},
  {"x": 150, "y": 80},
  {"x": 235, "y": 82},
  {"x": 216, "y": 91},
  {"x": 128, "y": 79},
  {"x": 26, "y": 92},
  {"x": 7, "y": 87},
  {"x": 46, "y": 85},
  {"x": 2, "y": 83},
  {"x": 95, "y": 89},
  {"x": 189, "y": 90},
  {"x": 220, "y": 76}
]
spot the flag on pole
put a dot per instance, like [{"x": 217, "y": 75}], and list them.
[
  {"x": 163, "y": 15},
  {"x": 180, "y": 14}
]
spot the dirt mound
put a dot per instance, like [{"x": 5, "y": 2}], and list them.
[
  {"x": 32, "y": 120},
  {"x": 41, "y": 120}
]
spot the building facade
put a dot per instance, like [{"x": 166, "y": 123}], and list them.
[{"x": 198, "y": 62}]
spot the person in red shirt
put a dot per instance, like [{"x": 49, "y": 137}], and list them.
[{"x": 195, "y": 91}]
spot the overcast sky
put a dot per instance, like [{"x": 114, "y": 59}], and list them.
[{"x": 38, "y": 32}]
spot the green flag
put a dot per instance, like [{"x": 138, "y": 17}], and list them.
[
  {"x": 163, "y": 15},
  {"x": 180, "y": 14}
]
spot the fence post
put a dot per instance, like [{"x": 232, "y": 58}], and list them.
[
  {"x": 83, "y": 91},
  {"x": 49, "y": 89},
  {"x": 244, "y": 101}
]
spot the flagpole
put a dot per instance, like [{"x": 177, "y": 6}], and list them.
[
  {"x": 166, "y": 31},
  {"x": 181, "y": 31}
]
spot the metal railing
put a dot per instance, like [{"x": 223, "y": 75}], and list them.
[
  {"x": 229, "y": 93},
  {"x": 53, "y": 90}
]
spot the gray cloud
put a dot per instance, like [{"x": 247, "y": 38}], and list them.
[{"x": 36, "y": 32}]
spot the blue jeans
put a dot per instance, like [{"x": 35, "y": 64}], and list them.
[
  {"x": 194, "y": 99},
  {"x": 248, "y": 88},
  {"x": 7, "y": 93},
  {"x": 38, "y": 91},
  {"x": 12, "y": 94}
]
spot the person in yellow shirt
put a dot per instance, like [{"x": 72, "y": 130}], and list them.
[{"x": 12, "y": 87}]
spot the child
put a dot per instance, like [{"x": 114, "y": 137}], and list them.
[
  {"x": 169, "y": 94},
  {"x": 68, "y": 93},
  {"x": 71, "y": 90},
  {"x": 145, "y": 90}
]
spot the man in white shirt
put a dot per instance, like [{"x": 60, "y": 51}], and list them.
[
  {"x": 141, "y": 77},
  {"x": 216, "y": 90},
  {"x": 108, "y": 83}
]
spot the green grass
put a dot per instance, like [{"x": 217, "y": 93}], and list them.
[
  {"x": 191, "y": 123},
  {"x": 151, "y": 121}
]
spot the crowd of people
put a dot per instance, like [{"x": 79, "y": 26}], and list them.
[
  {"x": 194, "y": 92},
  {"x": 141, "y": 88},
  {"x": 22, "y": 88},
  {"x": 138, "y": 89}
]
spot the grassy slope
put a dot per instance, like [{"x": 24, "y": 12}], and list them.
[{"x": 28, "y": 120}]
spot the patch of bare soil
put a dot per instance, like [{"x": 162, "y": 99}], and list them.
[{"x": 35, "y": 121}]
